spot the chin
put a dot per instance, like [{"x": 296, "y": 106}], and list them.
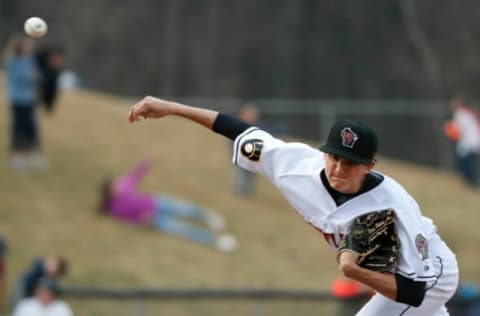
[{"x": 338, "y": 186}]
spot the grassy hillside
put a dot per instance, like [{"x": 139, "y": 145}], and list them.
[{"x": 88, "y": 138}]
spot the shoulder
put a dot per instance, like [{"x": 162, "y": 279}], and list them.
[
  {"x": 390, "y": 194},
  {"x": 393, "y": 195},
  {"x": 392, "y": 189}
]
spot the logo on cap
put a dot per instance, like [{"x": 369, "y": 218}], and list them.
[{"x": 348, "y": 137}]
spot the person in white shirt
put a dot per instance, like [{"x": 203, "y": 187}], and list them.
[
  {"x": 466, "y": 123},
  {"x": 44, "y": 303},
  {"x": 332, "y": 187}
]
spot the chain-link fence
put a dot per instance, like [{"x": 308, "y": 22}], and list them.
[{"x": 408, "y": 130}]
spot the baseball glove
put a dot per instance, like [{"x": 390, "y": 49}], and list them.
[{"x": 373, "y": 237}]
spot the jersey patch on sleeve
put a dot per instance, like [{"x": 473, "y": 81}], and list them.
[
  {"x": 252, "y": 149},
  {"x": 422, "y": 246}
]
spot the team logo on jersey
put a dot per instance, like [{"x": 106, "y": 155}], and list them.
[
  {"x": 422, "y": 246},
  {"x": 348, "y": 137},
  {"x": 252, "y": 149}
]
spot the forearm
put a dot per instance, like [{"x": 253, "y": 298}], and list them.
[
  {"x": 383, "y": 283},
  {"x": 201, "y": 116},
  {"x": 150, "y": 107},
  {"x": 393, "y": 286}
]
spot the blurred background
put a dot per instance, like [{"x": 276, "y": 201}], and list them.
[{"x": 399, "y": 65}]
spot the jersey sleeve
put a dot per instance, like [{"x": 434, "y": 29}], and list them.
[
  {"x": 416, "y": 259},
  {"x": 258, "y": 151}
]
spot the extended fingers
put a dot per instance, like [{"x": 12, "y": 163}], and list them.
[
  {"x": 148, "y": 107},
  {"x": 137, "y": 110},
  {"x": 131, "y": 116}
]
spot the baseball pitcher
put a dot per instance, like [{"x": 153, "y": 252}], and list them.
[{"x": 380, "y": 235}]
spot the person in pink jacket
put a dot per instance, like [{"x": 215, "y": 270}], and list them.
[{"x": 120, "y": 198}]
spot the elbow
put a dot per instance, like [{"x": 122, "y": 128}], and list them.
[{"x": 348, "y": 269}]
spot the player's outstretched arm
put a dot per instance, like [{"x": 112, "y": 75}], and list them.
[
  {"x": 151, "y": 107},
  {"x": 221, "y": 123}
]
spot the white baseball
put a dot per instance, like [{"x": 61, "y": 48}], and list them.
[{"x": 35, "y": 27}]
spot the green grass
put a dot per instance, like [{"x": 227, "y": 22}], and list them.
[
  {"x": 89, "y": 137},
  {"x": 204, "y": 307}
]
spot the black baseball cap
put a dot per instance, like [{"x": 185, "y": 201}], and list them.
[{"x": 352, "y": 140}]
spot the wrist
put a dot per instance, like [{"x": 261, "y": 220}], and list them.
[{"x": 175, "y": 108}]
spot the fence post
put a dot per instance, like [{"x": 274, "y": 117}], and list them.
[
  {"x": 140, "y": 309},
  {"x": 327, "y": 119},
  {"x": 3, "y": 277}
]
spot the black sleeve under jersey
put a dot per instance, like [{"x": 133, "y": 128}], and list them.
[
  {"x": 409, "y": 292},
  {"x": 229, "y": 126}
]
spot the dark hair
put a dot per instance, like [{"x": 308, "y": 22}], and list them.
[{"x": 105, "y": 194}]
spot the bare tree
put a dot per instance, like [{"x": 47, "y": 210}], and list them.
[{"x": 422, "y": 45}]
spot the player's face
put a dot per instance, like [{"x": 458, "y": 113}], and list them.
[{"x": 344, "y": 175}]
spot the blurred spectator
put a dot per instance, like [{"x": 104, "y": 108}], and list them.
[
  {"x": 244, "y": 181},
  {"x": 51, "y": 61},
  {"x": 53, "y": 267},
  {"x": 464, "y": 129},
  {"x": 69, "y": 80},
  {"x": 45, "y": 302},
  {"x": 3, "y": 275},
  {"x": 120, "y": 198},
  {"x": 22, "y": 79},
  {"x": 466, "y": 301},
  {"x": 352, "y": 295}
]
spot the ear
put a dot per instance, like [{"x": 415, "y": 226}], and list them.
[{"x": 371, "y": 165}]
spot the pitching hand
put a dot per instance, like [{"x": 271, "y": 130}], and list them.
[{"x": 149, "y": 107}]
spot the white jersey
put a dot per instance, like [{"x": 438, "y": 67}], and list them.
[
  {"x": 295, "y": 169},
  {"x": 468, "y": 124},
  {"x": 33, "y": 307}
]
